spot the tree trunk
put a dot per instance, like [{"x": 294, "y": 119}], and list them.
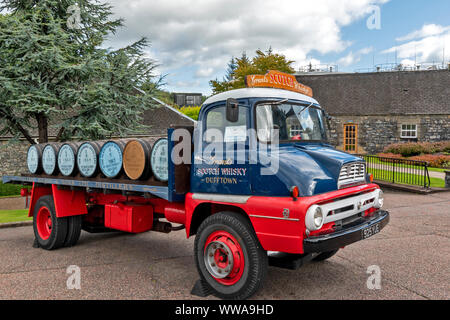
[{"x": 43, "y": 127}]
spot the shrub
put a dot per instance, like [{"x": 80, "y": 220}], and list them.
[
  {"x": 9, "y": 190},
  {"x": 191, "y": 112},
  {"x": 411, "y": 149},
  {"x": 390, "y": 157},
  {"x": 405, "y": 149},
  {"x": 435, "y": 161}
]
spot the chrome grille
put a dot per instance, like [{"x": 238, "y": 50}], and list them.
[{"x": 351, "y": 174}]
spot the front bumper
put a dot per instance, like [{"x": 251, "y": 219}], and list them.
[{"x": 346, "y": 236}]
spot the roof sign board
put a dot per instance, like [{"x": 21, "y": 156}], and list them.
[{"x": 279, "y": 80}]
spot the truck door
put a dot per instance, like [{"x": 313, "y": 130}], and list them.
[{"x": 221, "y": 162}]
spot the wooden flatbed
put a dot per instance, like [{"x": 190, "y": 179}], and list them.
[{"x": 125, "y": 186}]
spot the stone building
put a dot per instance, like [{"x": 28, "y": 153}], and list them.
[
  {"x": 373, "y": 110},
  {"x": 13, "y": 154}
]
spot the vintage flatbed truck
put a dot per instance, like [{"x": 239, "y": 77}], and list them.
[{"x": 302, "y": 202}]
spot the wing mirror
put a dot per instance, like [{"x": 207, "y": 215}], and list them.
[{"x": 232, "y": 110}]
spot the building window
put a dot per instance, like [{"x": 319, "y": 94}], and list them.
[
  {"x": 409, "y": 131},
  {"x": 351, "y": 138},
  {"x": 295, "y": 131}
]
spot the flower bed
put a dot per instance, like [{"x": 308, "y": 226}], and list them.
[
  {"x": 436, "y": 154},
  {"x": 417, "y": 149}
]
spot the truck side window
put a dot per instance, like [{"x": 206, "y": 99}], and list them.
[{"x": 218, "y": 129}]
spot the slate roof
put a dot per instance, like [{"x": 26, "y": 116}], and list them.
[{"x": 383, "y": 93}]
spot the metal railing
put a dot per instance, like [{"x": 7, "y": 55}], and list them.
[{"x": 398, "y": 171}]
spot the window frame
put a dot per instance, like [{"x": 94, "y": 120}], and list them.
[
  {"x": 355, "y": 145},
  {"x": 415, "y": 131},
  {"x": 215, "y": 107},
  {"x": 293, "y": 102}
]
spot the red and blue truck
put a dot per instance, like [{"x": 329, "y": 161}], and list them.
[{"x": 255, "y": 181}]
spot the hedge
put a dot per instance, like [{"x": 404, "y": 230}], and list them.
[
  {"x": 191, "y": 112},
  {"x": 10, "y": 190},
  {"x": 416, "y": 149}
]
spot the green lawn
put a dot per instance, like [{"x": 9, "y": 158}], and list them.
[
  {"x": 7, "y": 216},
  {"x": 404, "y": 178}
]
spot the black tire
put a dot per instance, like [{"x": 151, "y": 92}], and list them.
[
  {"x": 325, "y": 256},
  {"x": 58, "y": 232},
  {"x": 73, "y": 230},
  {"x": 255, "y": 257}
]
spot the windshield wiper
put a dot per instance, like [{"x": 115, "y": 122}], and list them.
[{"x": 306, "y": 108}]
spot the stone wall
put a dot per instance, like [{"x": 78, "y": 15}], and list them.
[
  {"x": 377, "y": 132},
  {"x": 13, "y": 157},
  {"x": 380, "y": 103}
]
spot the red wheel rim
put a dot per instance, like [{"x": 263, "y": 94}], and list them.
[
  {"x": 44, "y": 223},
  {"x": 224, "y": 258}
]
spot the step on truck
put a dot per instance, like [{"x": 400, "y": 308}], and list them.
[{"x": 255, "y": 181}]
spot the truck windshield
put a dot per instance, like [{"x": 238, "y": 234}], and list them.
[{"x": 295, "y": 122}]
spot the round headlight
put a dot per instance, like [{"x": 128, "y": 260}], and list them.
[
  {"x": 380, "y": 200},
  {"x": 314, "y": 218},
  {"x": 318, "y": 218}
]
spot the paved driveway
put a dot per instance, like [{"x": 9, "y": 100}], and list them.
[{"x": 413, "y": 253}]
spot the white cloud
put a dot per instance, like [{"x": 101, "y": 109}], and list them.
[
  {"x": 204, "y": 72},
  {"x": 204, "y": 34},
  {"x": 352, "y": 58},
  {"x": 426, "y": 31},
  {"x": 427, "y": 45}
]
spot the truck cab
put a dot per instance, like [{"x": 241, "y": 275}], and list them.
[{"x": 278, "y": 142}]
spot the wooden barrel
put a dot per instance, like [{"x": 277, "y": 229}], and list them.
[
  {"x": 111, "y": 158},
  {"x": 87, "y": 158},
  {"x": 136, "y": 159},
  {"x": 67, "y": 159},
  {"x": 34, "y": 159},
  {"x": 49, "y": 159},
  {"x": 159, "y": 160}
]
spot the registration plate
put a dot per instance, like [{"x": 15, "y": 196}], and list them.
[{"x": 370, "y": 231}]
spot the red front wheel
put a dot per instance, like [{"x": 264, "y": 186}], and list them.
[{"x": 229, "y": 257}]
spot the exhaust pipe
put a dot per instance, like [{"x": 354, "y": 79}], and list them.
[{"x": 165, "y": 227}]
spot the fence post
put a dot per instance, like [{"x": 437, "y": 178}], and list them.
[
  {"x": 393, "y": 170},
  {"x": 447, "y": 179}
]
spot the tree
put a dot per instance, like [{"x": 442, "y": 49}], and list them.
[
  {"x": 54, "y": 72},
  {"x": 232, "y": 66},
  {"x": 260, "y": 64}
]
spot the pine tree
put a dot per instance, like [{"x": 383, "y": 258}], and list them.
[
  {"x": 232, "y": 66},
  {"x": 54, "y": 71}
]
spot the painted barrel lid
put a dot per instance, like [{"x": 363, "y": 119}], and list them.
[
  {"x": 110, "y": 159},
  {"x": 66, "y": 159},
  {"x": 49, "y": 157},
  {"x": 160, "y": 160},
  {"x": 136, "y": 156},
  {"x": 34, "y": 159},
  {"x": 87, "y": 159}
]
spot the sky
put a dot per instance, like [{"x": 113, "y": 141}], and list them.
[{"x": 193, "y": 40}]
